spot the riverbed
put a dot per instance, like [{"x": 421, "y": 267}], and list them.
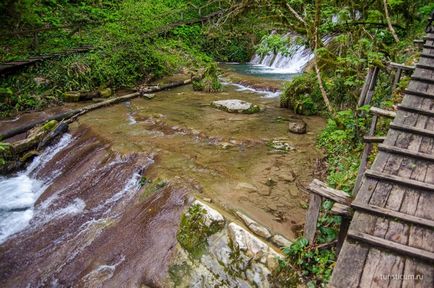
[{"x": 90, "y": 188}]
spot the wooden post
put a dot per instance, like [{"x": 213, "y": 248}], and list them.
[
  {"x": 372, "y": 85},
  {"x": 365, "y": 88},
  {"x": 397, "y": 78},
  {"x": 312, "y": 217},
  {"x": 343, "y": 229},
  {"x": 364, "y": 160}
]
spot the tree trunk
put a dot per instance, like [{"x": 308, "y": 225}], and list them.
[
  {"x": 316, "y": 41},
  {"x": 389, "y": 23}
]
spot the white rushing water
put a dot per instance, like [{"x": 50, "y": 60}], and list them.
[
  {"x": 294, "y": 61},
  {"x": 19, "y": 193}
]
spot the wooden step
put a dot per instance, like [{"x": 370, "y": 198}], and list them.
[
  {"x": 425, "y": 112},
  {"x": 393, "y": 214},
  {"x": 419, "y": 93},
  {"x": 382, "y": 112},
  {"x": 392, "y": 246},
  {"x": 406, "y": 152},
  {"x": 427, "y": 46},
  {"x": 399, "y": 180},
  {"x": 422, "y": 79},
  {"x": 374, "y": 139},
  {"x": 412, "y": 129},
  {"x": 320, "y": 188},
  {"x": 424, "y": 66},
  {"x": 428, "y": 38},
  {"x": 425, "y": 55}
]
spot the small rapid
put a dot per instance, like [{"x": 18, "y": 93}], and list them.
[{"x": 20, "y": 192}]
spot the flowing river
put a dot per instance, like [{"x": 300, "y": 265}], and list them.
[{"x": 83, "y": 214}]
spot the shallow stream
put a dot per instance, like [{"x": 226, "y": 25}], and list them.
[{"x": 68, "y": 217}]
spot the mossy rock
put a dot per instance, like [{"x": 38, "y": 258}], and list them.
[
  {"x": 105, "y": 93},
  {"x": 194, "y": 232},
  {"x": 71, "y": 96},
  {"x": 50, "y": 125}
]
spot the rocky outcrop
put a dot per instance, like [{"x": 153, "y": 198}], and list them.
[
  {"x": 234, "y": 257},
  {"x": 236, "y": 106}
]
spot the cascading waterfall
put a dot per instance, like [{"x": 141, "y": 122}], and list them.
[
  {"x": 19, "y": 193},
  {"x": 294, "y": 61}
]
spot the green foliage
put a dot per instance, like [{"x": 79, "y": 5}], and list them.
[
  {"x": 273, "y": 43},
  {"x": 128, "y": 48},
  {"x": 210, "y": 82},
  {"x": 343, "y": 143},
  {"x": 4, "y": 151},
  {"x": 315, "y": 264},
  {"x": 302, "y": 94},
  {"x": 193, "y": 231}
]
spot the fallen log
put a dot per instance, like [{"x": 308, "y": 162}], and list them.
[{"x": 69, "y": 114}]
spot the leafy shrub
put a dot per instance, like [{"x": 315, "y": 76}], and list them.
[
  {"x": 193, "y": 232},
  {"x": 302, "y": 95},
  {"x": 210, "y": 81}
]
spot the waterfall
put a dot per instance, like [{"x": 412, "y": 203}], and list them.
[
  {"x": 294, "y": 61},
  {"x": 20, "y": 192}
]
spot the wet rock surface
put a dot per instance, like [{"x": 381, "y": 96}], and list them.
[
  {"x": 297, "y": 126},
  {"x": 234, "y": 258},
  {"x": 98, "y": 231},
  {"x": 236, "y": 106}
]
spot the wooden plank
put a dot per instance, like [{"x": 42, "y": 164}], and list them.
[
  {"x": 320, "y": 188},
  {"x": 426, "y": 55},
  {"x": 428, "y": 46},
  {"x": 406, "y": 152},
  {"x": 382, "y": 112},
  {"x": 392, "y": 246},
  {"x": 312, "y": 217},
  {"x": 425, "y": 112},
  {"x": 411, "y": 129},
  {"x": 418, "y": 93},
  {"x": 401, "y": 66},
  {"x": 349, "y": 275},
  {"x": 384, "y": 212},
  {"x": 423, "y": 66},
  {"x": 422, "y": 79},
  {"x": 374, "y": 139},
  {"x": 341, "y": 209},
  {"x": 400, "y": 180}
]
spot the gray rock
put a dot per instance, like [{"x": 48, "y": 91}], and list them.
[
  {"x": 281, "y": 241},
  {"x": 149, "y": 96},
  {"x": 247, "y": 242},
  {"x": 258, "y": 276},
  {"x": 211, "y": 216},
  {"x": 254, "y": 226},
  {"x": 235, "y": 106},
  {"x": 297, "y": 126}
]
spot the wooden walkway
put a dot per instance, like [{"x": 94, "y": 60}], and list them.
[{"x": 390, "y": 242}]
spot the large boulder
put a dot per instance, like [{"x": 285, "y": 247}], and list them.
[
  {"x": 297, "y": 126},
  {"x": 236, "y": 106}
]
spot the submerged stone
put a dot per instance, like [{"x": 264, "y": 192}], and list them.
[
  {"x": 281, "y": 241},
  {"x": 236, "y": 106},
  {"x": 254, "y": 226}
]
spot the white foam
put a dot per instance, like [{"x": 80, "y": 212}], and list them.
[
  {"x": 19, "y": 193},
  {"x": 264, "y": 93}
]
